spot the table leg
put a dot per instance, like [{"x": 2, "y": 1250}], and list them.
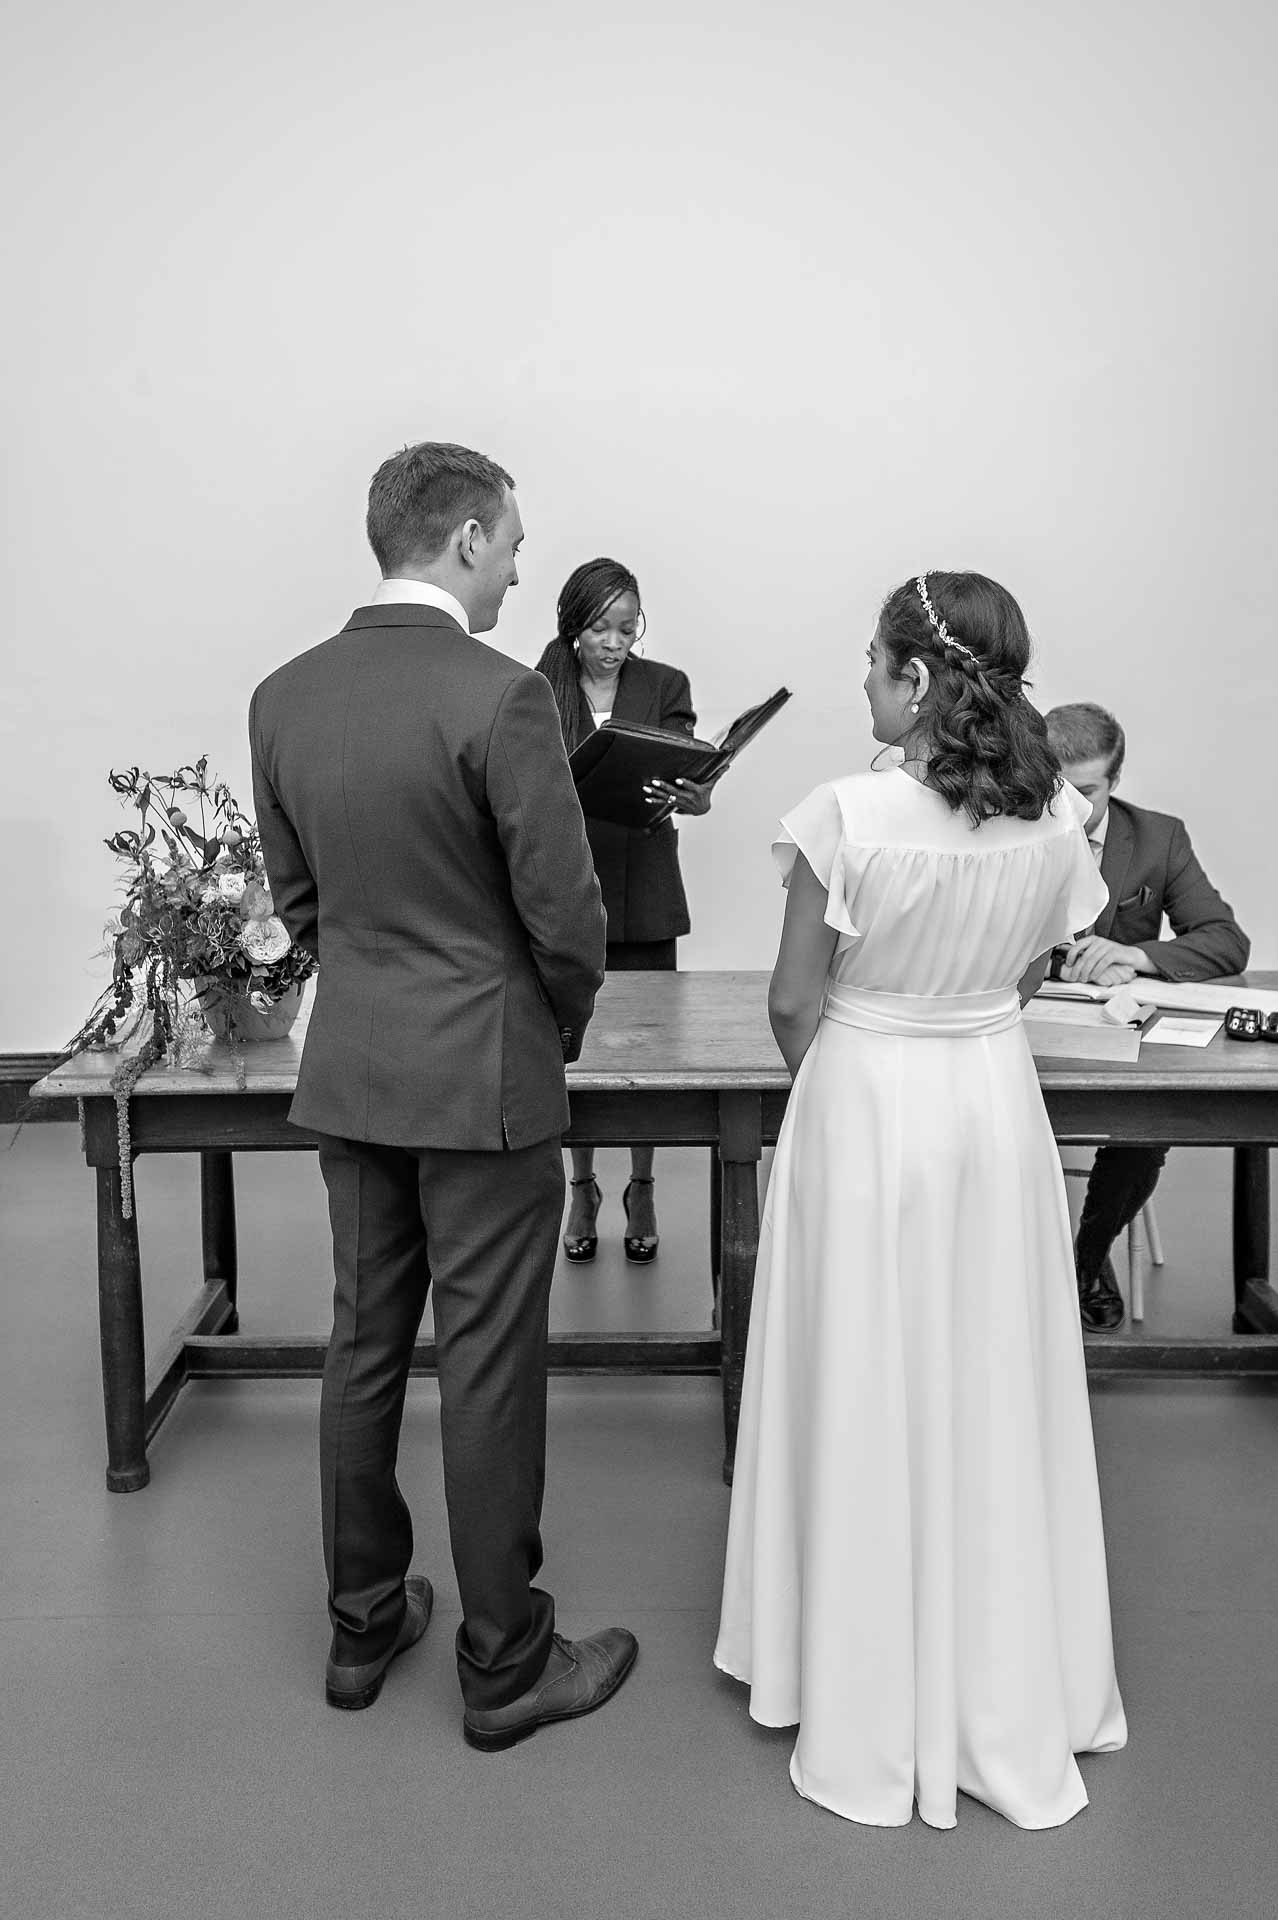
[
  {"x": 716, "y": 1227},
  {"x": 123, "y": 1343},
  {"x": 740, "y": 1149},
  {"x": 217, "y": 1227},
  {"x": 1251, "y": 1225}
]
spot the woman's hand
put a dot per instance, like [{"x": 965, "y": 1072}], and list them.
[{"x": 686, "y": 796}]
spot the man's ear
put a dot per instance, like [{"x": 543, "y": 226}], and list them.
[{"x": 469, "y": 535}]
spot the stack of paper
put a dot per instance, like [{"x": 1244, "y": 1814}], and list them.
[
  {"x": 1074, "y": 1030},
  {"x": 1173, "y": 996}
]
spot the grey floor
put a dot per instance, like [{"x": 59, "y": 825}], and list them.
[{"x": 167, "y": 1750}]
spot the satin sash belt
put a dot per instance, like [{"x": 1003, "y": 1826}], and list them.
[{"x": 954, "y": 1016}]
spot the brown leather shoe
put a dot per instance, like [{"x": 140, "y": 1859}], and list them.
[
  {"x": 578, "y": 1677},
  {"x": 355, "y": 1687}
]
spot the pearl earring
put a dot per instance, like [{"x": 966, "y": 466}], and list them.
[{"x": 914, "y": 706}]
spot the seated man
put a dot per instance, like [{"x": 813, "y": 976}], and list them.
[{"x": 1149, "y": 866}]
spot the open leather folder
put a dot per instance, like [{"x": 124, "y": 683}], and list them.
[{"x": 613, "y": 765}]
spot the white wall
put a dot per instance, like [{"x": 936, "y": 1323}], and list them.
[{"x": 775, "y": 303}]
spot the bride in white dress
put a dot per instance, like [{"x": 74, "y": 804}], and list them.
[{"x": 915, "y": 1565}]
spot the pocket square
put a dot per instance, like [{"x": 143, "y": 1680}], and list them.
[{"x": 1134, "y": 900}]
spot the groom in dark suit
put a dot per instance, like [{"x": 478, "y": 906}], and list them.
[
  {"x": 1150, "y": 868},
  {"x": 424, "y": 840}
]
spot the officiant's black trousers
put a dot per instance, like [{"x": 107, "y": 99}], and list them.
[{"x": 479, "y": 1230}]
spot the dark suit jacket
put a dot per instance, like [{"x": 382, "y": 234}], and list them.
[
  {"x": 639, "y": 874},
  {"x": 423, "y": 837},
  {"x": 1150, "y": 870}
]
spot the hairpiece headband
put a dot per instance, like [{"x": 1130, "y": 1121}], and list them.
[{"x": 942, "y": 631}]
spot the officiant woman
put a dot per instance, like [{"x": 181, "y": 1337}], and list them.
[{"x": 597, "y": 677}]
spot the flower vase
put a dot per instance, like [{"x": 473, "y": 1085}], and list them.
[{"x": 223, "y": 1010}]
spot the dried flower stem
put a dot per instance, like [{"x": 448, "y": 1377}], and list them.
[{"x": 123, "y": 1081}]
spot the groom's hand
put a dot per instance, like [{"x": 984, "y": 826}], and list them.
[{"x": 571, "y": 1043}]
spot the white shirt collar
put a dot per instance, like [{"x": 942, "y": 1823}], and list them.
[
  {"x": 1096, "y": 834},
  {"x": 424, "y": 594}
]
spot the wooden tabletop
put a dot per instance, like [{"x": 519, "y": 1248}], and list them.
[{"x": 695, "y": 1030}]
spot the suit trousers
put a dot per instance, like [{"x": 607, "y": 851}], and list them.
[
  {"x": 1121, "y": 1181},
  {"x": 478, "y": 1230}
]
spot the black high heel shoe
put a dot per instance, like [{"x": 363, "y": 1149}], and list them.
[
  {"x": 584, "y": 1246},
  {"x": 636, "y": 1244}
]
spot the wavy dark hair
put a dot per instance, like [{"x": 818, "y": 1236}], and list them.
[
  {"x": 987, "y": 746},
  {"x": 589, "y": 590}
]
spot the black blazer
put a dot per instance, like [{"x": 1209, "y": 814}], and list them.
[
  {"x": 1150, "y": 869},
  {"x": 423, "y": 837},
  {"x": 638, "y": 873}
]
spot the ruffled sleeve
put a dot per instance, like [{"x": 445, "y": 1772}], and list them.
[
  {"x": 1084, "y": 894},
  {"x": 815, "y": 828}
]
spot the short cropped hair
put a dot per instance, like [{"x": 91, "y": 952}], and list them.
[
  {"x": 421, "y": 495},
  {"x": 1084, "y": 731}
]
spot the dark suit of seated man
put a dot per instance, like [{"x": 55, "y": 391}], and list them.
[{"x": 1149, "y": 866}]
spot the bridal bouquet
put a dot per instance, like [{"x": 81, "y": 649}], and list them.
[{"x": 197, "y": 944}]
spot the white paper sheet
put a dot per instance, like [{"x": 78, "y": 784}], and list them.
[{"x": 1170, "y": 1030}]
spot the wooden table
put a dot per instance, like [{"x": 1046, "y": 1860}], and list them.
[{"x": 676, "y": 1059}]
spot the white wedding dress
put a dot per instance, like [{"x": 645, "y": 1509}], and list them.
[{"x": 915, "y": 1565}]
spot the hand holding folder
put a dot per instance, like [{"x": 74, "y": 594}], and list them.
[{"x": 612, "y": 766}]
